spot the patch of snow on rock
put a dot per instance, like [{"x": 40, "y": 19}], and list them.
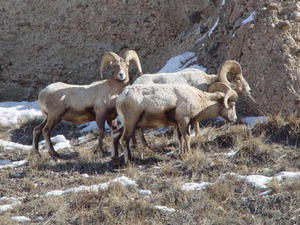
[
  {"x": 249, "y": 18},
  {"x": 260, "y": 181},
  {"x": 14, "y": 164},
  {"x": 13, "y": 113},
  {"x": 194, "y": 186},
  {"x": 180, "y": 62},
  {"x": 122, "y": 180},
  {"x": 4, "y": 162},
  {"x": 213, "y": 27},
  {"x": 13, "y": 204},
  {"x": 92, "y": 126},
  {"x": 164, "y": 208},
  {"x": 8, "y": 145},
  {"x": 252, "y": 121},
  {"x": 21, "y": 219},
  {"x": 145, "y": 192},
  {"x": 59, "y": 141}
]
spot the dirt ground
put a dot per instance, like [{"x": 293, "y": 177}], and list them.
[{"x": 225, "y": 201}]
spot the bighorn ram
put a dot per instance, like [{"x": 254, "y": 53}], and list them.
[
  {"x": 83, "y": 103},
  {"x": 159, "y": 105},
  {"x": 230, "y": 73}
]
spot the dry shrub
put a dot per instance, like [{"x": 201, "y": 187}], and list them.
[
  {"x": 169, "y": 170},
  {"x": 174, "y": 197},
  {"x": 195, "y": 161},
  {"x": 6, "y": 220},
  {"x": 280, "y": 130},
  {"x": 275, "y": 186},
  {"x": 224, "y": 189},
  {"x": 254, "y": 151},
  {"x": 225, "y": 137},
  {"x": 116, "y": 205},
  {"x": 292, "y": 185}
]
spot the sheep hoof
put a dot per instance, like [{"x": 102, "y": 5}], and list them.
[
  {"x": 182, "y": 156},
  {"x": 117, "y": 162},
  {"x": 54, "y": 155},
  {"x": 35, "y": 154}
]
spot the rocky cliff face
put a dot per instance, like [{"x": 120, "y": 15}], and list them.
[{"x": 60, "y": 40}]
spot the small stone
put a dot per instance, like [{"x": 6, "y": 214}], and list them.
[
  {"x": 295, "y": 16},
  {"x": 297, "y": 38},
  {"x": 273, "y": 6},
  {"x": 284, "y": 25}
]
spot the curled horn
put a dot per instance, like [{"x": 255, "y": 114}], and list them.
[
  {"x": 225, "y": 88},
  {"x": 230, "y": 66},
  {"x": 107, "y": 58},
  {"x": 132, "y": 55}
]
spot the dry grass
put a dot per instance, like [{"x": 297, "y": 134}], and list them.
[{"x": 227, "y": 201}]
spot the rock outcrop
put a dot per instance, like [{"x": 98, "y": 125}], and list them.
[{"x": 48, "y": 41}]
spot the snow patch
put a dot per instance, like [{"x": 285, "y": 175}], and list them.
[
  {"x": 223, "y": 2},
  {"x": 164, "y": 208},
  {"x": 122, "y": 180},
  {"x": 194, "y": 186},
  {"x": 59, "y": 141},
  {"x": 260, "y": 181},
  {"x": 213, "y": 27},
  {"x": 249, "y": 18},
  {"x": 4, "y": 162},
  {"x": 13, "y": 204},
  {"x": 230, "y": 154},
  {"x": 21, "y": 219},
  {"x": 180, "y": 62},
  {"x": 8, "y": 145},
  {"x": 14, "y": 164},
  {"x": 92, "y": 126},
  {"x": 252, "y": 121},
  {"x": 145, "y": 192},
  {"x": 12, "y": 114}
]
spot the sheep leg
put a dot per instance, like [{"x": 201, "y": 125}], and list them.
[
  {"x": 124, "y": 141},
  {"x": 134, "y": 141},
  {"x": 37, "y": 131},
  {"x": 100, "y": 123},
  {"x": 184, "y": 129},
  {"x": 180, "y": 138},
  {"x": 47, "y": 133},
  {"x": 116, "y": 138},
  {"x": 197, "y": 129},
  {"x": 142, "y": 137}
]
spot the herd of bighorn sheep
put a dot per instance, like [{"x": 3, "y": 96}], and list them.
[{"x": 178, "y": 99}]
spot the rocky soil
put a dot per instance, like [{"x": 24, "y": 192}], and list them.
[{"x": 48, "y": 41}]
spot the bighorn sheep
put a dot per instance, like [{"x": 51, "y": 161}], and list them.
[
  {"x": 83, "y": 103},
  {"x": 159, "y": 105},
  {"x": 230, "y": 73}
]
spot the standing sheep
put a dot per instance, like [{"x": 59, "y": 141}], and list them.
[
  {"x": 83, "y": 103},
  {"x": 230, "y": 73},
  {"x": 160, "y": 105}
]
